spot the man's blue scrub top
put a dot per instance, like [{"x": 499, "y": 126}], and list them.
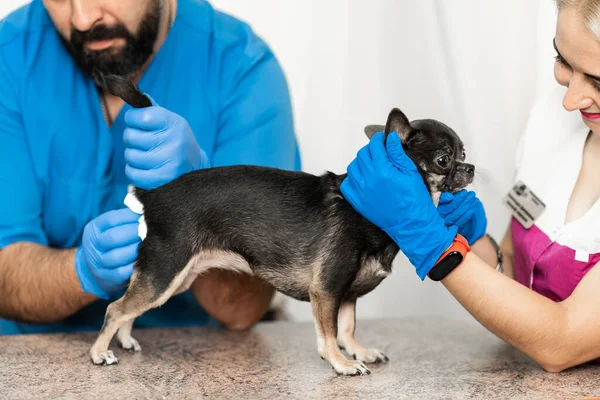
[{"x": 61, "y": 165}]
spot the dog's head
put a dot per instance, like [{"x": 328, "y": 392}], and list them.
[{"x": 435, "y": 148}]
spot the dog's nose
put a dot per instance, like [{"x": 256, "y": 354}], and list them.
[{"x": 467, "y": 168}]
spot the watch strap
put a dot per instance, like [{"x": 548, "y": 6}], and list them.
[
  {"x": 459, "y": 244},
  {"x": 450, "y": 259}
]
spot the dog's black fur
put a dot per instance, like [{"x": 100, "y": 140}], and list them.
[
  {"x": 278, "y": 221},
  {"x": 293, "y": 229},
  {"x": 124, "y": 89}
]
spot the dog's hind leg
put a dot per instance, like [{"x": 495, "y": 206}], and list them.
[
  {"x": 134, "y": 302},
  {"x": 325, "y": 307},
  {"x": 124, "y": 337},
  {"x": 141, "y": 296},
  {"x": 346, "y": 340}
]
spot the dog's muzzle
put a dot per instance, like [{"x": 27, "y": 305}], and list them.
[{"x": 461, "y": 177}]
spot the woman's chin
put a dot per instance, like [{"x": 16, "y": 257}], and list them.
[{"x": 593, "y": 125}]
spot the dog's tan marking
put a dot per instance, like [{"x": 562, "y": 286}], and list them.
[
  {"x": 139, "y": 295},
  {"x": 124, "y": 337},
  {"x": 370, "y": 273},
  {"x": 435, "y": 182},
  {"x": 325, "y": 313},
  {"x": 346, "y": 340},
  {"x": 435, "y": 196},
  {"x": 209, "y": 259}
]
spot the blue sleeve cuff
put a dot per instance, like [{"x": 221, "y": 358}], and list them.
[
  {"x": 16, "y": 235},
  {"x": 425, "y": 252}
]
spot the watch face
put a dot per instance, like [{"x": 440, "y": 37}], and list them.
[{"x": 445, "y": 266}]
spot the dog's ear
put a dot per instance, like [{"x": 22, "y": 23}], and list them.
[
  {"x": 397, "y": 122},
  {"x": 370, "y": 130}
]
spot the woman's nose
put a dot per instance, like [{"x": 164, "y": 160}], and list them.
[{"x": 577, "y": 96}]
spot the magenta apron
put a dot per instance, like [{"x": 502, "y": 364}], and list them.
[
  {"x": 552, "y": 256},
  {"x": 547, "y": 267}
]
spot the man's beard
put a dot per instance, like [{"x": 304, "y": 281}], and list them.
[{"x": 127, "y": 60}]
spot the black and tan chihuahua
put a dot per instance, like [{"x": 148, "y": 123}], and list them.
[{"x": 292, "y": 229}]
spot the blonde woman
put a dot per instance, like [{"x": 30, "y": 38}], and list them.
[{"x": 543, "y": 297}]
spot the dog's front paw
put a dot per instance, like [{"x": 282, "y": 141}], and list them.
[
  {"x": 131, "y": 344},
  {"x": 371, "y": 356},
  {"x": 103, "y": 358},
  {"x": 350, "y": 367}
]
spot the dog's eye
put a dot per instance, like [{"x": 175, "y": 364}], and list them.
[{"x": 443, "y": 161}]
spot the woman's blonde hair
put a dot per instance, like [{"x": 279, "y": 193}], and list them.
[{"x": 589, "y": 9}]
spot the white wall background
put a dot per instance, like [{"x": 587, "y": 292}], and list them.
[{"x": 476, "y": 65}]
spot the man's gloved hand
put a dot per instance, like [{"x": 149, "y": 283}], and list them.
[
  {"x": 387, "y": 189},
  {"x": 464, "y": 210},
  {"x": 104, "y": 260},
  {"x": 160, "y": 147}
]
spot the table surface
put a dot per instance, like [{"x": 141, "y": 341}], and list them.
[{"x": 429, "y": 358}]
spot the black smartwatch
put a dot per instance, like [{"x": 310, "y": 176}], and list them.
[{"x": 452, "y": 258}]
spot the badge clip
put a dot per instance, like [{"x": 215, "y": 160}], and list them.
[{"x": 525, "y": 206}]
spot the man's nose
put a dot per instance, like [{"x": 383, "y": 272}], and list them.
[
  {"x": 85, "y": 14},
  {"x": 577, "y": 96}
]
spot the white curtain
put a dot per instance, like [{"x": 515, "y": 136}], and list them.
[{"x": 475, "y": 65}]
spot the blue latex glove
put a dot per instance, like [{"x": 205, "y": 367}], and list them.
[
  {"x": 464, "y": 210},
  {"x": 104, "y": 260},
  {"x": 387, "y": 189},
  {"x": 160, "y": 147}
]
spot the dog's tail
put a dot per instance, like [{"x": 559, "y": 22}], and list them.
[
  {"x": 130, "y": 94},
  {"x": 123, "y": 88}
]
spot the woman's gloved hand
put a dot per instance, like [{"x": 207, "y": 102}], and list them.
[
  {"x": 104, "y": 260},
  {"x": 464, "y": 210},
  {"x": 160, "y": 147},
  {"x": 387, "y": 189}
]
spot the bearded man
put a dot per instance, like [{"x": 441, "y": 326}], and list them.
[{"x": 68, "y": 150}]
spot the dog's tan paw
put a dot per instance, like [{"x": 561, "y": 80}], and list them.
[
  {"x": 130, "y": 344},
  {"x": 371, "y": 356},
  {"x": 321, "y": 348},
  {"x": 350, "y": 367},
  {"x": 103, "y": 358}
]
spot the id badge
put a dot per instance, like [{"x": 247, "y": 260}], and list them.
[{"x": 525, "y": 206}]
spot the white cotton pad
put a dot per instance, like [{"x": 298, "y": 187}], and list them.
[
  {"x": 134, "y": 205},
  {"x": 142, "y": 229}
]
